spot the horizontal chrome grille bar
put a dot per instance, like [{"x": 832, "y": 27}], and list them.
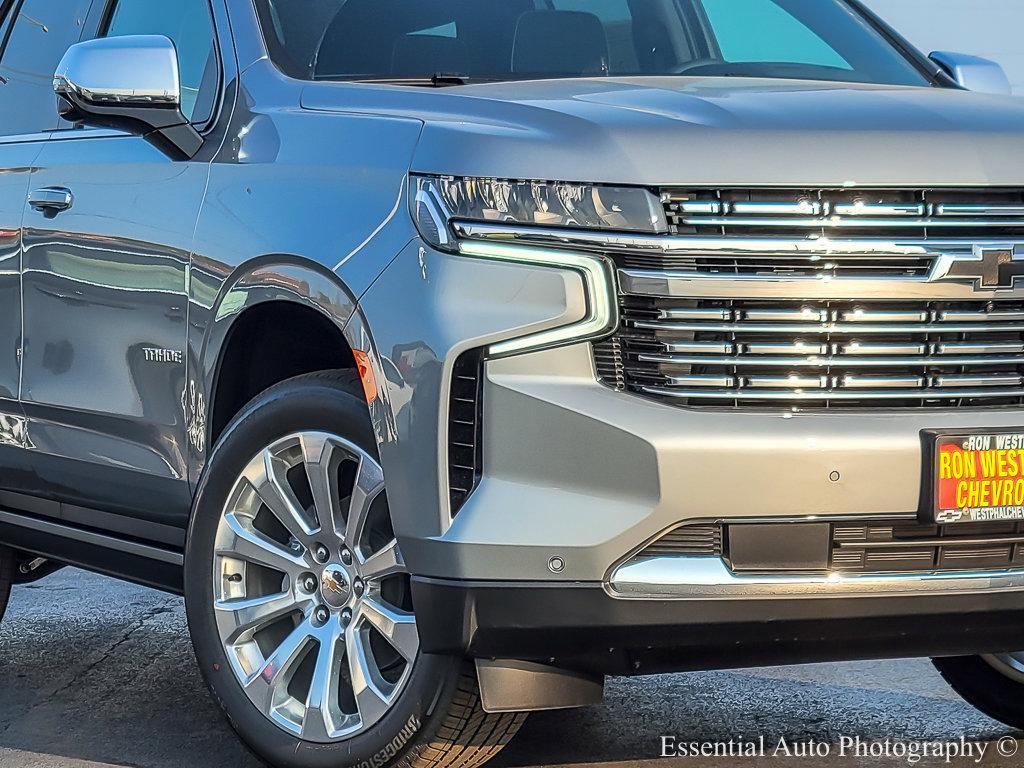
[
  {"x": 850, "y": 222},
  {"x": 878, "y": 382},
  {"x": 978, "y": 348},
  {"x": 700, "y": 245},
  {"x": 831, "y": 394},
  {"x": 987, "y": 380},
  {"x": 700, "y": 347},
  {"x": 960, "y": 316},
  {"x": 825, "y": 328},
  {"x": 811, "y": 315},
  {"x": 860, "y": 348},
  {"x": 879, "y": 209},
  {"x": 754, "y": 361},
  {"x": 953, "y": 209},
  {"x": 796, "y": 208}
]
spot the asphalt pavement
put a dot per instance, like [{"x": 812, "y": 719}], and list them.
[{"x": 95, "y": 673}]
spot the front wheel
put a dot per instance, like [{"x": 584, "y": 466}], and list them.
[
  {"x": 993, "y": 684},
  {"x": 299, "y": 603}
]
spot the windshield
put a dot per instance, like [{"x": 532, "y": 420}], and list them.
[{"x": 453, "y": 41}]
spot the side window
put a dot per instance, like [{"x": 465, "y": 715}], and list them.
[
  {"x": 763, "y": 31},
  {"x": 5, "y": 18},
  {"x": 189, "y": 24},
  {"x": 39, "y": 33}
]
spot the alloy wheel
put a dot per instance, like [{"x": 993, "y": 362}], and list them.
[{"x": 311, "y": 594}]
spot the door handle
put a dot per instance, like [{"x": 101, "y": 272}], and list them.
[{"x": 51, "y": 200}]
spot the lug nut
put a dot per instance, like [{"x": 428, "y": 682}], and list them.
[
  {"x": 309, "y": 583},
  {"x": 321, "y": 553},
  {"x": 359, "y": 587},
  {"x": 346, "y": 557},
  {"x": 321, "y": 615},
  {"x": 346, "y": 617}
]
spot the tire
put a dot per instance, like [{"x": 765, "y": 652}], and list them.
[
  {"x": 989, "y": 683},
  {"x": 433, "y": 717},
  {"x": 7, "y": 563}
]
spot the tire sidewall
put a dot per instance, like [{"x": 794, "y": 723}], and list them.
[
  {"x": 307, "y": 404},
  {"x": 985, "y": 688}
]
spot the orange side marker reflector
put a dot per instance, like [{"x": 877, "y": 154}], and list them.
[{"x": 366, "y": 375}]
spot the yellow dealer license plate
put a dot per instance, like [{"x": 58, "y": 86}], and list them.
[{"x": 973, "y": 477}]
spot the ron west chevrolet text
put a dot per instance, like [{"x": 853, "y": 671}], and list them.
[{"x": 451, "y": 356}]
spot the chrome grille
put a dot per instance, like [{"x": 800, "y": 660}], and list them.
[
  {"x": 818, "y": 354},
  {"x": 815, "y": 214}
]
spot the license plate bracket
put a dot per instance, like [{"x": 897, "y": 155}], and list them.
[{"x": 972, "y": 475}]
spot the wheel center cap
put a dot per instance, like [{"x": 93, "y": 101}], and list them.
[{"x": 335, "y": 586}]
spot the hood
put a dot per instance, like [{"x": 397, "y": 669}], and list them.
[{"x": 705, "y": 131}]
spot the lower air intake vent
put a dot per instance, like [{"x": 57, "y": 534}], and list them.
[
  {"x": 464, "y": 444},
  {"x": 882, "y": 547},
  {"x": 875, "y": 547},
  {"x": 691, "y": 540}
]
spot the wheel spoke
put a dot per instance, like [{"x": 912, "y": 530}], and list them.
[
  {"x": 253, "y": 547},
  {"x": 384, "y": 562},
  {"x": 322, "y": 459},
  {"x": 371, "y": 701},
  {"x": 251, "y": 614},
  {"x": 368, "y": 485},
  {"x": 398, "y": 627},
  {"x": 269, "y": 477},
  {"x": 268, "y": 686},
  {"x": 323, "y": 714}
]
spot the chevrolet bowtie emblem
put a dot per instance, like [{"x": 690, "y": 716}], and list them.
[{"x": 987, "y": 268}]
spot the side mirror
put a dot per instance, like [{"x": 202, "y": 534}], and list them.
[
  {"x": 973, "y": 72},
  {"x": 130, "y": 83}
]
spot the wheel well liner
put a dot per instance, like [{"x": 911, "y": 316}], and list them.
[{"x": 267, "y": 344}]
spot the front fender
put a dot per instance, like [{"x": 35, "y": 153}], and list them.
[{"x": 216, "y": 305}]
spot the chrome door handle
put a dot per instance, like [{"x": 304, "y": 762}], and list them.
[{"x": 51, "y": 200}]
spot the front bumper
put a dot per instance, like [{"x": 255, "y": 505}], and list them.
[
  {"x": 581, "y": 473},
  {"x": 577, "y": 478},
  {"x": 575, "y": 471},
  {"x": 582, "y": 627}
]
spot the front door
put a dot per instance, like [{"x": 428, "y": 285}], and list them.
[
  {"x": 107, "y": 245},
  {"x": 33, "y": 36}
]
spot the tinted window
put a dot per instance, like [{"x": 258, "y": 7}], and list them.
[
  {"x": 617, "y": 19},
  {"x": 189, "y": 24},
  {"x": 41, "y": 33},
  {"x": 412, "y": 40},
  {"x": 5, "y": 17},
  {"x": 762, "y": 30}
]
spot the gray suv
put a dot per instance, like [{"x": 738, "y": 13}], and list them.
[{"x": 449, "y": 355}]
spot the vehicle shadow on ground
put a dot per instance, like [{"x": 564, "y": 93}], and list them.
[
  {"x": 93, "y": 671},
  {"x": 719, "y": 706}
]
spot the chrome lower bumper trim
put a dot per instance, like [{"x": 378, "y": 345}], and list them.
[{"x": 680, "y": 578}]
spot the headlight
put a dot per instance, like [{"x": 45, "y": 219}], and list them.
[{"x": 438, "y": 200}]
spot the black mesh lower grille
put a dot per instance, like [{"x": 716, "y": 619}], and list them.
[{"x": 874, "y": 547}]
